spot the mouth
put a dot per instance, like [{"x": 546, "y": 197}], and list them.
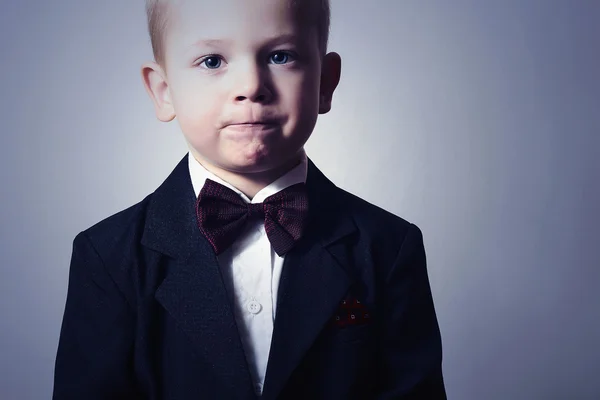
[
  {"x": 250, "y": 124},
  {"x": 251, "y": 128}
]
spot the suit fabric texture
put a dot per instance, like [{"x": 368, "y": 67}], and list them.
[{"x": 148, "y": 316}]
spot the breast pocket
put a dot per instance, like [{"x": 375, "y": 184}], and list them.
[{"x": 354, "y": 334}]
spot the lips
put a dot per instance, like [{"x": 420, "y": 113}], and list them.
[
  {"x": 251, "y": 129},
  {"x": 252, "y": 123}
]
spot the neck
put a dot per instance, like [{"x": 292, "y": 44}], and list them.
[{"x": 251, "y": 183}]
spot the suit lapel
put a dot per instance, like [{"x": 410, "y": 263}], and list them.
[
  {"x": 314, "y": 279},
  {"x": 193, "y": 291}
]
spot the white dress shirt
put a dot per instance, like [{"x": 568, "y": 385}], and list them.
[{"x": 251, "y": 270}]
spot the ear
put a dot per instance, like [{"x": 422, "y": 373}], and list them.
[
  {"x": 155, "y": 82},
  {"x": 330, "y": 77}
]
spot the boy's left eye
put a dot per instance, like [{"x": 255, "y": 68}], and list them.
[{"x": 281, "y": 57}]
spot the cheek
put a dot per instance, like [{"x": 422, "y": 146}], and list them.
[
  {"x": 197, "y": 115},
  {"x": 301, "y": 96},
  {"x": 306, "y": 103}
]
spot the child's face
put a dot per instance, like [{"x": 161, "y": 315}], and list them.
[{"x": 245, "y": 80}]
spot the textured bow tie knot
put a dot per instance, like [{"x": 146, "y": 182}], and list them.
[
  {"x": 222, "y": 215},
  {"x": 255, "y": 210}
]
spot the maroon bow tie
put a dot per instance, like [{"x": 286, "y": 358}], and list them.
[{"x": 222, "y": 214}]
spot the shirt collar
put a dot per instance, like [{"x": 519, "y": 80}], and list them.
[{"x": 199, "y": 174}]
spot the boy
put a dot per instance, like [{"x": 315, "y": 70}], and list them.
[{"x": 247, "y": 273}]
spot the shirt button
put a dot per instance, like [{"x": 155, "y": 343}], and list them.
[
  {"x": 253, "y": 307},
  {"x": 259, "y": 388}
]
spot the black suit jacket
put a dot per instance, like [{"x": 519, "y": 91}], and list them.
[{"x": 147, "y": 315}]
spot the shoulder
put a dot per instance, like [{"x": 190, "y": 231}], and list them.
[
  {"x": 380, "y": 233},
  {"x": 112, "y": 235},
  {"x": 383, "y": 233},
  {"x": 372, "y": 217}
]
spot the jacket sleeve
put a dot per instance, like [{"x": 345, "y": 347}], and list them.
[
  {"x": 412, "y": 348},
  {"x": 94, "y": 358}
]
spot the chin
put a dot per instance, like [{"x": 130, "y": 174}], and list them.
[
  {"x": 256, "y": 163},
  {"x": 252, "y": 165}
]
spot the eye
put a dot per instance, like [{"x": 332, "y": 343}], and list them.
[
  {"x": 281, "y": 57},
  {"x": 211, "y": 62}
]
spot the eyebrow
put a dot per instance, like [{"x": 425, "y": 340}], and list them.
[
  {"x": 285, "y": 38},
  {"x": 210, "y": 43},
  {"x": 216, "y": 43}
]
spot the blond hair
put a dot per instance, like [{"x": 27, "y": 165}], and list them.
[{"x": 157, "y": 12}]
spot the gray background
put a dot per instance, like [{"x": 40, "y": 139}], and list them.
[{"x": 477, "y": 120}]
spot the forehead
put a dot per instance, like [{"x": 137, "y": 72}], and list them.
[{"x": 236, "y": 20}]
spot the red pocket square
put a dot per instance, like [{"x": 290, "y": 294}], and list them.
[{"x": 351, "y": 312}]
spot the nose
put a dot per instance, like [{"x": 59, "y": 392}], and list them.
[{"x": 251, "y": 84}]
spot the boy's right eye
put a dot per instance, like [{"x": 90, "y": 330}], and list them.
[{"x": 211, "y": 62}]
